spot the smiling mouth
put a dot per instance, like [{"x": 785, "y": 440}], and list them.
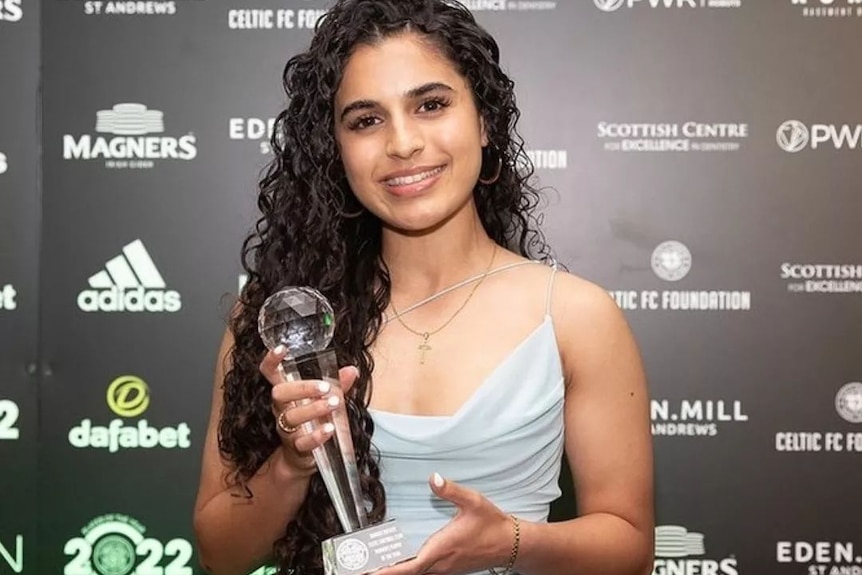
[{"x": 414, "y": 179}]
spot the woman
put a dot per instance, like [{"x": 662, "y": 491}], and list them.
[{"x": 398, "y": 174}]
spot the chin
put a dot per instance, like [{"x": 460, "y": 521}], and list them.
[{"x": 419, "y": 222}]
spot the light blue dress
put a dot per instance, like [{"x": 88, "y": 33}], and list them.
[{"x": 506, "y": 442}]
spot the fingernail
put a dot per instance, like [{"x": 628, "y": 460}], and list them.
[
  {"x": 333, "y": 401},
  {"x": 279, "y": 350},
  {"x": 323, "y": 386},
  {"x": 328, "y": 428},
  {"x": 437, "y": 479}
]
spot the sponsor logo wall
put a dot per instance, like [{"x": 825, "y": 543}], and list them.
[
  {"x": 697, "y": 158},
  {"x": 19, "y": 256}
]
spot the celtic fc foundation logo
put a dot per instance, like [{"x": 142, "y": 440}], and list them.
[
  {"x": 848, "y": 402},
  {"x": 671, "y": 261}
]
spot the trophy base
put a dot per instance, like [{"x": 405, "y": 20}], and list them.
[{"x": 366, "y": 550}]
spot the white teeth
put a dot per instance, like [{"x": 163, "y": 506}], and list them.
[{"x": 407, "y": 180}]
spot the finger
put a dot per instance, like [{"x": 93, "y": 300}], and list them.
[
  {"x": 285, "y": 394},
  {"x": 297, "y": 415},
  {"x": 451, "y": 491},
  {"x": 269, "y": 366},
  {"x": 347, "y": 376},
  {"x": 306, "y": 442},
  {"x": 415, "y": 566}
]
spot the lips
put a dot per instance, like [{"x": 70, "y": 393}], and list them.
[
  {"x": 413, "y": 182},
  {"x": 413, "y": 178}
]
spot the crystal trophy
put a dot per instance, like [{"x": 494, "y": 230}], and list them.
[{"x": 302, "y": 320}]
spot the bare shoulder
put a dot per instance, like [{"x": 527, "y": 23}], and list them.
[
  {"x": 592, "y": 331},
  {"x": 580, "y": 306}
]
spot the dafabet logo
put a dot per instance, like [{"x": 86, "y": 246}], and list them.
[{"x": 128, "y": 396}]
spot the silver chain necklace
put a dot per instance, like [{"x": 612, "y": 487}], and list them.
[{"x": 441, "y": 293}]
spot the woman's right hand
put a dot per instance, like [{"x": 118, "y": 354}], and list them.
[{"x": 297, "y": 402}]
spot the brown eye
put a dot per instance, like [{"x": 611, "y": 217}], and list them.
[
  {"x": 434, "y": 105},
  {"x": 363, "y": 122}
]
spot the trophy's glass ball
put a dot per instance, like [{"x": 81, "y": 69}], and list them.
[{"x": 299, "y": 318}]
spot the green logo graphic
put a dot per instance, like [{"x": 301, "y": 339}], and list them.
[
  {"x": 128, "y": 396},
  {"x": 115, "y": 544}
]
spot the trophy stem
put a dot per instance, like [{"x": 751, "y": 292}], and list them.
[
  {"x": 341, "y": 476},
  {"x": 336, "y": 459}
]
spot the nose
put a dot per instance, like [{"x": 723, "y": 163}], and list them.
[{"x": 405, "y": 138}]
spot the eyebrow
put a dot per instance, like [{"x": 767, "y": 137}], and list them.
[{"x": 411, "y": 94}]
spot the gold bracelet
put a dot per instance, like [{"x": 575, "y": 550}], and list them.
[{"x": 516, "y": 544}]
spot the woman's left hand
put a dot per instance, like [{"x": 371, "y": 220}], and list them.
[{"x": 479, "y": 536}]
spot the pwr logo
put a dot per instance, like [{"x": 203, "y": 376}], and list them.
[
  {"x": 794, "y": 136},
  {"x": 614, "y": 5}
]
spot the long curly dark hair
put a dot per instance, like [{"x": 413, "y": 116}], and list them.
[{"x": 312, "y": 231}]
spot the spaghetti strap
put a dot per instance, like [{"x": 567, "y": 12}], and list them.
[
  {"x": 387, "y": 319},
  {"x": 550, "y": 287}
]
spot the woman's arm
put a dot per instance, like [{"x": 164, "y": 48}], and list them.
[
  {"x": 235, "y": 529},
  {"x": 608, "y": 445}
]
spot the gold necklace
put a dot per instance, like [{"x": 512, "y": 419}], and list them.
[{"x": 425, "y": 346}]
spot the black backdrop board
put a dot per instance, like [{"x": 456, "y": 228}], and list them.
[
  {"x": 132, "y": 337},
  {"x": 19, "y": 300},
  {"x": 699, "y": 159}
]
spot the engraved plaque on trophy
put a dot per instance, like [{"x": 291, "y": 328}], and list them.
[{"x": 302, "y": 320}]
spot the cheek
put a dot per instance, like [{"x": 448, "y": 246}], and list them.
[
  {"x": 466, "y": 148},
  {"x": 358, "y": 161}
]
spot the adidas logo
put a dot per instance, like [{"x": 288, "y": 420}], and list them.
[{"x": 129, "y": 282}]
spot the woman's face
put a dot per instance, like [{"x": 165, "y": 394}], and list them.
[{"x": 409, "y": 133}]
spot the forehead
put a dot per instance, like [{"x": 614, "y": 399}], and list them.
[{"x": 387, "y": 69}]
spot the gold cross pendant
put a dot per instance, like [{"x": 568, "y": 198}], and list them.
[{"x": 423, "y": 347}]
